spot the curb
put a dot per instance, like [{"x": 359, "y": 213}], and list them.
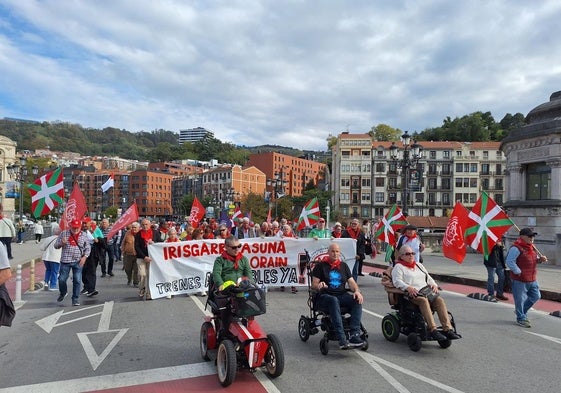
[{"x": 546, "y": 295}]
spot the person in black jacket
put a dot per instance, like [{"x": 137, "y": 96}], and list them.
[
  {"x": 147, "y": 235},
  {"x": 354, "y": 231},
  {"x": 495, "y": 263}
]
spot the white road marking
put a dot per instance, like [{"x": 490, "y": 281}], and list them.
[
  {"x": 371, "y": 359},
  {"x": 139, "y": 377},
  {"x": 554, "y": 339}
]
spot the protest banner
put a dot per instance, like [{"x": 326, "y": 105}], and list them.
[{"x": 185, "y": 267}]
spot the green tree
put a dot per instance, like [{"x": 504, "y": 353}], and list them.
[{"x": 383, "y": 132}]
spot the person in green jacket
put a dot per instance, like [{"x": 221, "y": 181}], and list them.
[
  {"x": 231, "y": 265},
  {"x": 230, "y": 268}
]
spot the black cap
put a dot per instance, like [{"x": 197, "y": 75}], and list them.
[
  {"x": 527, "y": 232},
  {"x": 410, "y": 227}
]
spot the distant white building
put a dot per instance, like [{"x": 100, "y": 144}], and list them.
[{"x": 193, "y": 134}]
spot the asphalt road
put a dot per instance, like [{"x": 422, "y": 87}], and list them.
[{"x": 117, "y": 340}]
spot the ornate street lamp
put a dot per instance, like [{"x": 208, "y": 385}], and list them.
[
  {"x": 409, "y": 159},
  {"x": 18, "y": 172},
  {"x": 277, "y": 184}
]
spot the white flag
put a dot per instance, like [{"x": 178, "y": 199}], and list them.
[{"x": 108, "y": 184}]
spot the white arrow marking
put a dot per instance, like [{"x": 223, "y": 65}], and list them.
[
  {"x": 93, "y": 357},
  {"x": 50, "y": 322}
]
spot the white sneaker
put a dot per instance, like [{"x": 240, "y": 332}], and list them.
[
  {"x": 203, "y": 294},
  {"x": 168, "y": 297}
]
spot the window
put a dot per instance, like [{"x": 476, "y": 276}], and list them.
[
  {"x": 459, "y": 167},
  {"x": 472, "y": 198},
  {"x": 485, "y": 155},
  {"x": 432, "y": 169},
  {"x": 499, "y": 199},
  {"x": 459, "y": 181},
  {"x": 365, "y": 212},
  {"x": 499, "y": 169},
  {"x": 466, "y": 182},
  {"x": 498, "y": 184},
  {"x": 380, "y": 181},
  {"x": 484, "y": 169},
  {"x": 446, "y": 170},
  {"x": 446, "y": 154},
  {"x": 366, "y": 168},
  {"x": 473, "y": 182},
  {"x": 419, "y": 197},
  {"x": 473, "y": 168},
  {"x": 432, "y": 155},
  {"x": 392, "y": 181},
  {"x": 458, "y": 153},
  {"x": 446, "y": 199},
  {"x": 366, "y": 182},
  {"x": 379, "y": 196},
  {"x": 380, "y": 168},
  {"x": 485, "y": 184},
  {"x": 392, "y": 197},
  {"x": 446, "y": 184},
  {"x": 345, "y": 153},
  {"x": 432, "y": 183},
  {"x": 365, "y": 197},
  {"x": 345, "y": 182}
]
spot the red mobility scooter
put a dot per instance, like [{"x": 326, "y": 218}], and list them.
[{"x": 245, "y": 344}]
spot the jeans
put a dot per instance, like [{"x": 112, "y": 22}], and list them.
[
  {"x": 76, "y": 279},
  {"x": 525, "y": 294},
  {"x": 491, "y": 280},
  {"x": 51, "y": 273},
  {"x": 357, "y": 268},
  {"x": 332, "y": 304},
  {"x": 8, "y": 243}
]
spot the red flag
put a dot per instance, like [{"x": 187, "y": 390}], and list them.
[
  {"x": 75, "y": 208},
  {"x": 453, "y": 243},
  {"x": 128, "y": 217},
  {"x": 310, "y": 214},
  {"x": 269, "y": 216},
  {"x": 46, "y": 192},
  {"x": 392, "y": 222},
  {"x": 488, "y": 223},
  {"x": 197, "y": 213}
]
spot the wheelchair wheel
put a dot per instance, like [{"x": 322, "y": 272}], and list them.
[
  {"x": 324, "y": 346},
  {"x": 274, "y": 357},
  {"x": 304, "y": 328},
  {"x": 390, "y": 327},
  {"x": 226, "y": 363},
  {"x": 207, "y": 340},
  {"x": 364, "y": 346},
  {"x": 445, "y": 343},
  {"x": 414, "y": 342}
]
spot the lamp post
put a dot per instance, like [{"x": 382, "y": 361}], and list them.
[
  {"x": 411, "y": 155},
  {"x": 18, "y": 172},
  {"x": 277, "y": 185}
]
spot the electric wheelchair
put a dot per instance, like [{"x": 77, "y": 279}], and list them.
[
  {"x": 406, "y": 319},
  {"x": 317, "y": 320}
]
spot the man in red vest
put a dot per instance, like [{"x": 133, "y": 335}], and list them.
[{"x": 522, "y": 260}]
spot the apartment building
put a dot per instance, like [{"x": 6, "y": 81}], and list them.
[
  {"x": 366, "y": 180},
  {"x": 287, "y": 175}
]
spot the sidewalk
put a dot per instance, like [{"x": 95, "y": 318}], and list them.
[
  {"x": 472, "y": 272},
  {"x": 23, "y": 254}
]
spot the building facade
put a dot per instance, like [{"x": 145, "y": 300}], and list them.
[
  {"x": 533, "y": 159},
  {"x": 193, "y": 134},
  {"x": 287, "y": 175},
  {"x": 366, "y": 181}
]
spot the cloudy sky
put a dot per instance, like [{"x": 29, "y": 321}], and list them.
[{"x": 286, "y": 72}]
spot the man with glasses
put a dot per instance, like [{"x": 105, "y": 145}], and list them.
[
  {"x": 231, "y": 266},
  {"x": 411, "y": 277},
  {"x": 223, "y": 232},
  {"x": 522, "y": 260}
]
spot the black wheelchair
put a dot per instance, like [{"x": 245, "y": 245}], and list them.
[
  {"x": 317, "y": 320},
  {"x": 406, "y": 319}
]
